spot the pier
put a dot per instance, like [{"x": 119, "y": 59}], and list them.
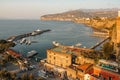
[
  {"x": 100, "y": 43},
  {"x": 34, "y": 33}
]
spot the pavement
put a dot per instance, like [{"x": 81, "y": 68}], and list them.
[{"x": 15, "y": 68}]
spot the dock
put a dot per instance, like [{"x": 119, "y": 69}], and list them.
[
  {"x": 18, "y": 37},
  {"x": 100, "y": 43}
]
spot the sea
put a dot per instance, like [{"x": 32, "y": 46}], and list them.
[{"x": 64, "y": 32}]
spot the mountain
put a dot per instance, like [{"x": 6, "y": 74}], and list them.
[{"x": 82, "y": 13}]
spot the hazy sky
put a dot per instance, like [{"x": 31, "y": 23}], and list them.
[{"x": 33, "y": 9}]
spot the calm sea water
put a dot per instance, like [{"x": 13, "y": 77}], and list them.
[{"x": 67, "y": 33}]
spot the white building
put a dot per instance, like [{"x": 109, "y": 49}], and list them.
[{"x": 118, "y": 13}]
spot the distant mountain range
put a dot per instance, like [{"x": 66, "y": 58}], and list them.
[{"x": 83, "y": 13}]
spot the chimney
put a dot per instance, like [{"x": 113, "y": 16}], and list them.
[{"x": 118, "y": 13}]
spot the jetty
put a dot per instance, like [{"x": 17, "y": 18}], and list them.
[
  {"x": 98, "y": 44},
  {"x": 34, "y": 33}
]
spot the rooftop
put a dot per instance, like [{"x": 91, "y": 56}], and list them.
[
  {"x": 84, "y": 67},
  {"x": 13, "y": 53},
  {"x": 71, "y": 50}
]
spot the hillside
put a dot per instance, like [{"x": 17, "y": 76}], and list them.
[
  {"x": 96, "y": 18},
  {"x": 81, "y": 13}
]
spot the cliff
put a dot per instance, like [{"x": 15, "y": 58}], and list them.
[
  {"x": 66, "y": 16},
  {"x": 96, "y": 18}
]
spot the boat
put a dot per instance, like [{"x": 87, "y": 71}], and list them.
[
  {"x": 56, "y": 43},
  {"x": 38, "y": 30},
  {"x": 35, "y": 32},
  {"x": 32, "y": 53},
  {"x": 78, "y": 44},
  {"x": 28, "y": 41},
  {"x": 23, "y": 40}
]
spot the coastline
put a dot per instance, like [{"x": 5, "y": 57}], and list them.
[{"x": 96, "y": 32}]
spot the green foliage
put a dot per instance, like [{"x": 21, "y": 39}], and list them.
[
  {"x": 5, "y": 75},
  {"x": 4, "y": 45},
  {"x": 107, "y": 49}
]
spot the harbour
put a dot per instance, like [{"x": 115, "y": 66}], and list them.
[
  {"x": 66, "y": 33},
  {"x": 34, "y": 33}
]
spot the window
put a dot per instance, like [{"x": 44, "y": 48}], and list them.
[
  {"x": 104, "y": 78},
  {"x": 49, "y": 61},
  {"x": 100, "y": 75},
  {"x": 61, "y": 65},
  {"x": 66, "y": 56},
  {"x": 66, "y": 61},
  {"x": 54, "y": 58},
  {"x": 110, "y": 78}
]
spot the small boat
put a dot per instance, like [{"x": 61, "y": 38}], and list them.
[
  {"x": 28, "y": 42},
  {"x": 35, "y": 32},
  {"x": 32, "y": 53},
  {"x": 56, "y": 43},
  {"x": 38, "y": 30},
  {"x": 78, "y": 44},
  {"x": 23, "y": 40}
]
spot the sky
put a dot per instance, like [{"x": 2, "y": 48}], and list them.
[{"x": 33, "y": 9}]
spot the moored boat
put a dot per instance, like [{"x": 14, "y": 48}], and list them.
[{"x": 32, "y": 53}]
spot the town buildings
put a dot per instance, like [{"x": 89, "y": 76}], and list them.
[{"x": 77, "y": 67}]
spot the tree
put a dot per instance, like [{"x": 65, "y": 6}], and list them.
[
  {"x": 4, "y": 45},
  {"x": 107, "y": 49}
]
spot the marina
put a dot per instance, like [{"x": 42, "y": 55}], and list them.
[
  {"x": 22, "y": 36},
  {"x": 63, "y": 34}
]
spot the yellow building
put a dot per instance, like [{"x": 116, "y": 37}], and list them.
[
  {"x": 74, "y": 72},
  {"x": 64, "y": 56},
  {"x": 59, "y": 57},
  {"x": 83, "y": 60},
  {"x": 118, "y": 30}
]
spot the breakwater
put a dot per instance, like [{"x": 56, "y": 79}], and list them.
[{"x": 34, "y": 33}]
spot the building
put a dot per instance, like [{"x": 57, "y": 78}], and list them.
[
  {"x": 59, "y": 57},
  {"x": 98, "y": 73},
  {"x": 64, "y": 56},
  {"x": 91, "y": 72},
  {"x": 118, "y": 13},
  {"x": 13, "y": 53},
  {"x": 83, "y": 60},
  {"x": 78, "y": 63},
  {"x": 78, "y": 71}
]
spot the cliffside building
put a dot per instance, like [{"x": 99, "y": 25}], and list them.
[
  {"x": 116, "y": 38},
  {"x": 58, "y": 57}
]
